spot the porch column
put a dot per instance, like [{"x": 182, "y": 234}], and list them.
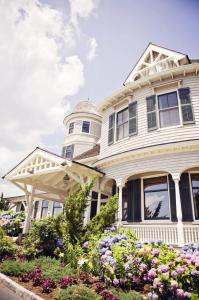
[
  {"x": 87, "y": 213},
  {"x": 99, "y": 196},
  {"x": 119, "y": 215},
  {"x": 176, "y": 179},
  {"x": 30, "y": 200}
]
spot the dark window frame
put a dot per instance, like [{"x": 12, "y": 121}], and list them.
[
  {"x": 87, "y": 124},
  {"x": 69, "y": 151},
  {"x": 193, "y": 200},
  {"x": 57, "y": 205},
  {"x": 71, "y": 128}
]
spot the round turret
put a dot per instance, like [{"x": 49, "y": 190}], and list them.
[{"x": 83, "y": 129}]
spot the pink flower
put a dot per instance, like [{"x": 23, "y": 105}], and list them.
[
  {"x": 163, "y": 269},
  {"x": 152, "y": 274},
  {"x": 174, "y": 284},
  {"x": 108, "y": 253},
  {"x": 180, "y": 270}
]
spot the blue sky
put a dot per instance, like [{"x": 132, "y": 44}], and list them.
[{"x": 55, "y": 53}]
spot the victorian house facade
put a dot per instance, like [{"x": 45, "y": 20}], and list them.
[{"x": 142, "y": 141}]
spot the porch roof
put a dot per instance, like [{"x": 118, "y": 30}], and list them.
[{"x": 49, "y": 174}]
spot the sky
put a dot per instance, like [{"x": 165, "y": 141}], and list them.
[{"x": 55, "y": 53}]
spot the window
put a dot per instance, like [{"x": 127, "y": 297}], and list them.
[
  {"x": 186, "y": 105},
  {"x": 57, "y": 208},
  {"x": 168, "y": 109},
  {"x": 111, "y": 129},
  {"x": 85, "y": 126},
  {"x": 156, "y": 199},
  {"x": 71, "y": 128},
  {"x": 44, "y": 209},
  {"x": 67, "y": 151},
  {"x": 151, "y": 112},
  {"x": 36, "y": 209},
  {"x": 195, "y": 192},
  {"x": 122, "y": 124}
]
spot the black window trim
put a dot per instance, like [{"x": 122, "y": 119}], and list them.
[
  {"x": 71, "y": 127},
  {"x": 191, "y": 192}
]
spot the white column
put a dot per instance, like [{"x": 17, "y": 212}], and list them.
[
  {"x": 87, "y": 212},
  {"x": 30, "y": 199},
  {"x": 176, "y": 179},
  {"x": 119, "y": 215},
  {"x": 99, "y": 196}
]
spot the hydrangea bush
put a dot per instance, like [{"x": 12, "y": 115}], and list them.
[
  {"x": 12, "y": 222},
  {"x": 159, "y": 270}
]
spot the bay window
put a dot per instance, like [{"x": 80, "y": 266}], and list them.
[
  {"x": 168, "y": 109},
  {"x": 57, "y": 208},
  {"x": 156, "y": 198},
  {"x": 195, "y": 193},
  {"x": 44, "y": 209}
]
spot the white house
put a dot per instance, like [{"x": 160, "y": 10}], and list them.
[{"x": 142, "y": 141}]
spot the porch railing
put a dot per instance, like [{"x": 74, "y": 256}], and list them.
[{"x": 166, "y": 233}]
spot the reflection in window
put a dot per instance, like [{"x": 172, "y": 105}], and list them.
[
  {"x": 195, "y": 191},
  {"x": 168, "y": 109},
  {"x": 44, "y": 209},
  {"x": 156, "y": 198},
  {"x": 57, "y": 208},
  {"x": 122, "y": 124}
]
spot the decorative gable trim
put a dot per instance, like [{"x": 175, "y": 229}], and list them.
[{"x": 156, "y": 59}]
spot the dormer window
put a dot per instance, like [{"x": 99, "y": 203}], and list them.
[
  {"x": 85, "y": 126},
  {"x": 168, "y": 109},
  {"x": 71, "y": 128}
]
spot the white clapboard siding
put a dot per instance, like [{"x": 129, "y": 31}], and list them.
[
  {"x": 171, "y": 163},
  {"x": 145, "y": 138}
]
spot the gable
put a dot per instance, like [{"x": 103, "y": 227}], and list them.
[
  {"x": 156, "y": 59},
  {"x": 37, "y": 161}
]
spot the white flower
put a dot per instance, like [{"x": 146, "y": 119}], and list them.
[{"x": 82, "y": 261}]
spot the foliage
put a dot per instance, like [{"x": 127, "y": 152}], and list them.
[
  {"x": 7, "y": 247},
  {"x": 77, "y": 292},
  {"x": 105, "y": 218},
  {"x": 2, "y": 233},
  {"x": 13, "y": 267},
  {"x": 127, "y": 295},
  {"x": 48, "y": 285},
  {"x": 42, "y": 239},
  {"x": 12, "y": 222},
  {"x": 4, "y": 203},
  {"x": 66, "y": 281},
  {"x": 74, "y": 208}
]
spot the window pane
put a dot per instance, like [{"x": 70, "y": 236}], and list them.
[
  {"x": 195, "y": 180},
  {"x": 163, "y": 101},
  {"x": 125, "y": 115},
  {"x": 169, "y": 117},
  {"x": 157, "y": 205},
  {"x": 126, "y": 130},
  {"x": 119, "y": 118},
  {"x": 151, "y": 103},
  {"x": 85, "y": 126},
  {"x": 120, "y": 132},
  {"x": 196, "y": 202},
  {"x": 154, "y": 184},
  {"x": 152, "y": 120},
  {"x": 172, "y": 99}
]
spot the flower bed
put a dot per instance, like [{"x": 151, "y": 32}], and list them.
[{"x": 12, "y": 222}]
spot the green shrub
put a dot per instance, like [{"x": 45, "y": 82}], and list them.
[
  {"x": 105, "y": 218},
  {"x": 7, "y": 247},
  {"x": 77, "y": 292},
  {"x": 1, "y": 233},
  {"x": 42, "y": 237},
  {"x": 16, "y": 267},
  {"x": 127, "y": 296},
  {"x": 74, "y": 208}
]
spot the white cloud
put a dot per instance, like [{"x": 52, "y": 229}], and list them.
[
  {"x": 35, "y": 76},
  {"x": 92, "y": 53},
  {"x": 82, "y": 8}
]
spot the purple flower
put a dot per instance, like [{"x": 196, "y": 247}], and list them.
[
  {"x": 108, "y": 253},
  {"x": 163, "y": 269},
  {"x": 136, "y": 279},
  {"x": 152, "y": 274},
  {"x": 143, "y": 267},
  {"x": 159, "y": 242},
  {"x": 155, "y": 252},
  {"x": 194, "y": 272},
  {"x": 115, "y": 282},
  {"x": 154, "y": 261},
  {"x": 153, "y": 296},
  {"x": 174, "y": 274},
  {"x": 180, "y": 294},
  {"x": 187, "y": 295},
  {"x": 180, "y": 270}
]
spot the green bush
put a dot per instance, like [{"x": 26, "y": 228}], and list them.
[
  {"x": 42, "y": 237},
  {"x": 127, "y": 296},
  {"x": 7, "y": 247},
  {"x": 77, "y": 292},
  {"x": 105, "y": 218},
  {"x": 16, "y": 267},
  {"x": 74, "y": 207}
]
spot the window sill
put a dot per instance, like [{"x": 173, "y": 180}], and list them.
[
  {"x": 156, "y": 221},
  {"x": 169, "y": 127}
]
